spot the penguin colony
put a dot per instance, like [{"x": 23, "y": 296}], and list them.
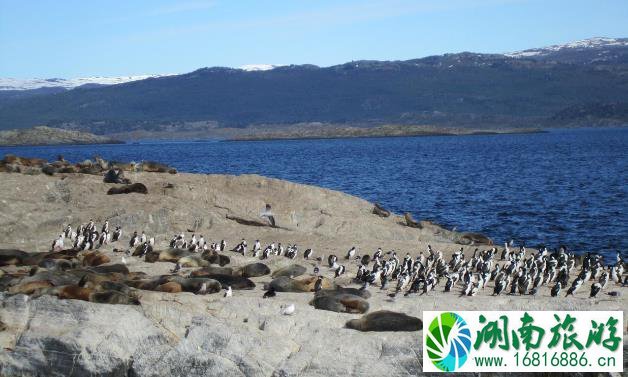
[{"x": 75, "y": 269}]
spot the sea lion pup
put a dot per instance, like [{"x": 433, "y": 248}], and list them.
[
  {"x": 113, "y": 297},
  {"x": 138, "y": 188},
  {"x": 340, "y": 302},
  {"x": 193, "y": 261},
  {"x": 384, "y": 320},
  {"x": 252, "y": 270},
  {"x": 306, "y": 284},
  {"x": 236, "y": 282},
  {"x": 197, "y": 285},
  {"x": 209, "y": 270},
  {"x": 214, "y": 258},
  {"x": 95, "y": 258},
  {"x": 292, "y": 270}
]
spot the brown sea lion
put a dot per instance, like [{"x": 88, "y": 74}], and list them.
[
  {"x": 56, "y": 264},
  {"x": 197, "y": 285},
  {"x": 138, "y": 188},
  {"x": 73, "y": 292},
  {"x": 193, "y": 261},
  {"x": 113, "y": 297},
  {"x": 215, "y": 258},
  {"x": 253, "y": 270},
  {"x": 352, "y": 291},
  {"x": 95, "y": 258},
  {"x": 156, "y": 167},
  {"x": 385, "y": 320},
  {"x": 111, "y": 268},
  {"x": 172, "y": 255},
  {"x": 206, "y": 271},
  {"x": 13, "y": 257},
  {"x": 29, "y": 288},
  {"x": 341, "y": 302},
  {"x": 170, "y": 287},
  {"x": 292, "y": 270},
  {"x": 286, "y": 284}
]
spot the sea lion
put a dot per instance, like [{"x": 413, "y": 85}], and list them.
[
  {"x": 13, "y": 257},
  {"x": 352, "y": 291},
  {"x": 113, "y": 297},
  {"x": 193, "y": 261},
  {"x": 172, "y": 254},
  {"x": 196, "y": 285},
  {"x": 56, "y": 264},
  {"x": 253, "y": 270},
  {"x": 340, "y": 302},
  {"x": 380, "y": 211},
  {"x": 235, "y": 282},
  {"x": 95, "y": 258},
  {"x": 138, "y": 188},
  {"x": 206, "y": 271},
  {"x": 215, "y": 258},
  {"x": 111, "y": 268},
  {"x": 292, "y": 270},
  {"x": 286, "y": 284},
  {"x": 29, "y": 288},
  {"x": 170, "y": 287},
  {"x": 385, "y": 320},
  {"x": 156, "y": 167},
  {"x": 72, "y": 292}
]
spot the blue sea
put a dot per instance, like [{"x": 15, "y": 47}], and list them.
[{"x": 565, "y": 187}]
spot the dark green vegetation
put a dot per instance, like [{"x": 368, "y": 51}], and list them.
[{"x": 560, "y": 88}]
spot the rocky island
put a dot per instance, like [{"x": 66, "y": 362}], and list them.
[
  {"x": 43, "y": 135},
  {"x": 136, "y": 309}
]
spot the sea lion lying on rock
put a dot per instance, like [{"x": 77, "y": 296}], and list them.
[
  {"x": 475, "y": 239},
  {"x": 116, "y": 176},
  {"x": 286, "y": 284},
  {"x": 292, "y": 270},
  {"x": 197, "y": 285},
  {"x": 112, "y": 268},
  {"x": 215, "y": 258},
  {"x": 56, "y": 264},
  {"x": 193, "y": 261},
  {"x": 156, "y": 167},
  {"x": 380, "y": 211},
  {"x": 235, "y": 282},
  {"x": 95, "y": 258},
  {"x": 337, "y": 301},
  {"x": 253, "y": 270},
  {"x": 13, "y": 257},
  {"x": 385, "y": 320},
  {"x": 209, "y": 270},
  {"x": 139, "y": 188}
]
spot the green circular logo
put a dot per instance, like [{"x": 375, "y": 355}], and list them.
[{"x": 448, "y": 341}]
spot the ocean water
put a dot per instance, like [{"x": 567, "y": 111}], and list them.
[{"x": 566, "y": 187}]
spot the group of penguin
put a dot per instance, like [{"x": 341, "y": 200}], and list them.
[
  {"x": 516, "y": 271},
  {"x": 86, "y": 237}
]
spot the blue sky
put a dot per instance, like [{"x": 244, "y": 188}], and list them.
[{"x": 75, "y": 38}]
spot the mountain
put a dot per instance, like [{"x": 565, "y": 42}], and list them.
[
  {"x": 11, "y": 84},
  {"x": 540, "y": 87},
  {"x": 50, "y": 136}
]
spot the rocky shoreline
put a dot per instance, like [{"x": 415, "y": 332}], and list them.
[
  {"x": 171, "y": 332},
  {"x": 43, "y": 135}
]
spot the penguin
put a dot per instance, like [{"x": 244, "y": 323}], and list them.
[
  {"x": 257, "y": 246},
  {"x": 203, "y": 289},
  {"x": 331, "y": 260},
  {"x": 340, "y": 270},
  {"x": 134, "y": 240},
  {"x": 58, "y": 243},
  {"x": 319, "y": 284},
  {"x": 223, "y": 245},
  {"x": 499, "y": 287},
  {"x": 595, "y": 289},
  {"x": 307, "y": 254},
  {"x": 350, "y": 253},
  {"x": 151, "y": 241},
  {"x": 270, "y": 293},
  {"x": 316, "y": 270},
  {"x": 229, "y": 292},
  {"x": 449, "y": 284},
  {"x": 556, "y": 290},
  {"x": 68, "y": 231},
  {"x": 143, "y": 237},
  {"x": 574, "y": 286},
  {"x": 105, "y": 227}
]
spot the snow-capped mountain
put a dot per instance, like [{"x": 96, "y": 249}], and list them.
[
  {"x": 597, "y": 43},
  {"x": 30, "y": 84},
  {"x": 258, "y": 67}
]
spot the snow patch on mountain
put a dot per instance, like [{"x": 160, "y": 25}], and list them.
[
  {"x": 29, "y": 84},
  {"x": 258, "y": 67},
  {"x": 598, "y": 42}
]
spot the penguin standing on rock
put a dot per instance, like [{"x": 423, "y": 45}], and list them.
[
  {"x": 135, "y": 240},
  {"x": 116, "y": 234},
  {"x": 351, "y": 253},
  {"x": 319, "y": 284}
]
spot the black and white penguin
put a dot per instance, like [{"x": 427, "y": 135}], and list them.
[
  {"x": 350, "y": 253},
  {"x": 135, "y": 240},
  {"x": 319, "y": 284},
  {"x": 116, "y": 234},
  {"x": 574, "y": 286},
  {"x": 105, "y": 227},
  {"x": 229, "y": 292},
  {"x": 556, "y": 290},
  {"x": 68, "y": 231},
  {"x": 595, "y": 289},
  {"x": 223, "y": 245},
  {"x": 340, "y": 270},
  {"x": 143, "y": 237},
  {"x": 58, "y": 243},
  {"x": 331, "y": 260},
  {"x": 307, "y": 254}
]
